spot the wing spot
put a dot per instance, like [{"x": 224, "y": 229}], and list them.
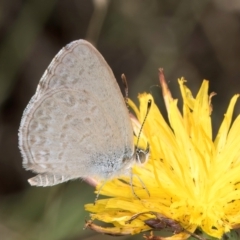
[
  {"x": 81, "y": 72},
  {"x": 43, "y": 127},
  {"x": 73, "y": 80},
  {"x": 68, "y": 117},
  {"x": 76, "y": 122},
  {"x": 32, "y": 139},
  {"x": 67, "y": 99},
  {"x": 62, "y": 135},
  {"x": 48, "y": 71},
  {"x": 65, "y": 126},
  {"x": 49, "y": 104},
  {"x": 94, "y": 110},
  {"x": 33, "y": 125},
  {"x": 87, "y": 120},
  {"x": 69, "y": 61},
  {"x": 60, "y": 156},
  {"x": 39, "y": 113}
]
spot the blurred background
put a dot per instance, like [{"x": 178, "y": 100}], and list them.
[{"x": 191, "y": 38}]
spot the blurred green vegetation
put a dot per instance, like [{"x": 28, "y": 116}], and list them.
[
  {"x": 45, "y": 213},
  {"x": 190, "y": 38}
]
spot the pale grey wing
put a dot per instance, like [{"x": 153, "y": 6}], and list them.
[
  {"x": 64, "y": 135},
  {"x": 78, "y": 69},
  {"x": 80, "y": 66}
]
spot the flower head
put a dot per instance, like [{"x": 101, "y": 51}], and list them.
[{"x": 192, "y": 179}]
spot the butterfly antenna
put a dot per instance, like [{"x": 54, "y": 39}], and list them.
[
  {"x": 124, "y": 80},
  {"x": 144, "y": 120}
]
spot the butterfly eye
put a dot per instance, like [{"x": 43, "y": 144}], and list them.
[{"x": 142, "y": 155}]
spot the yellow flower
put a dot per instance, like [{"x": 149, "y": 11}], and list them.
[{"x": 191, "y": 178}]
